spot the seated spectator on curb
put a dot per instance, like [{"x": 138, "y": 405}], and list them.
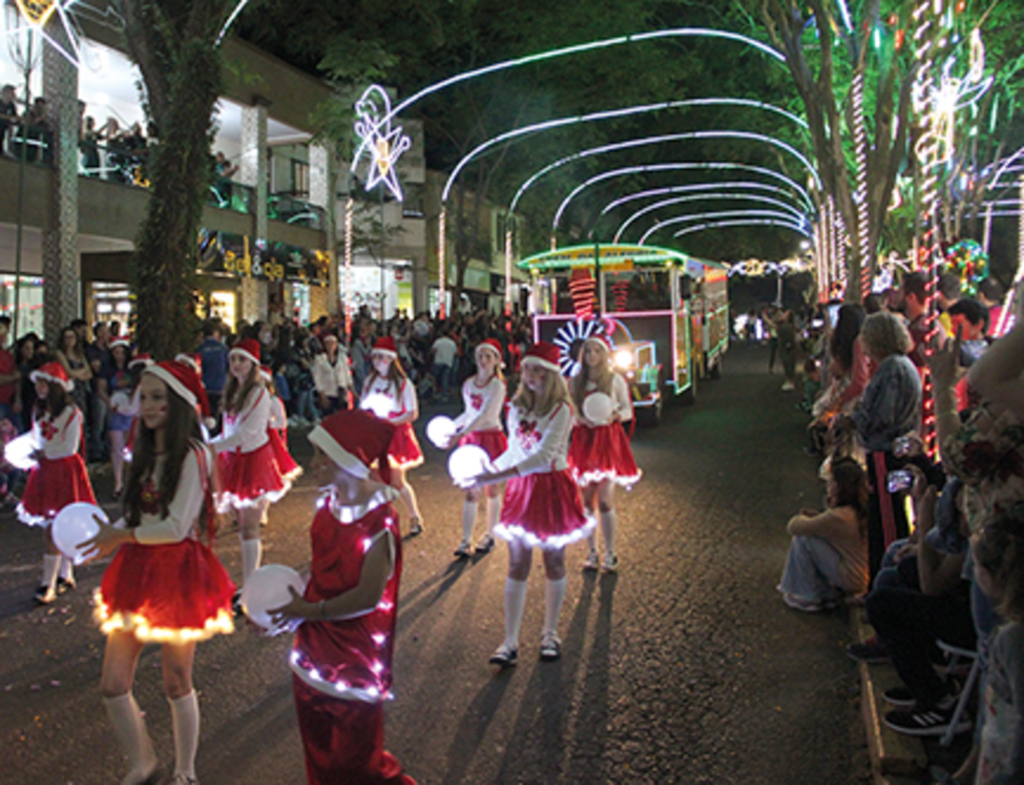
[{"x": 828, "y": 556}]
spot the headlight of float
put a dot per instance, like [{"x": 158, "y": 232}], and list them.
[{"x": 623, "y": 359}]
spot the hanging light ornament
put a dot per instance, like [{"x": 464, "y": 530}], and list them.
[{"x": 582, "y": 287}]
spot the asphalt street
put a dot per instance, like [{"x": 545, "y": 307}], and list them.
[{"x": 685, "y": 667}]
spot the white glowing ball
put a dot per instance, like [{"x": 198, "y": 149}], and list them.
[
  {"x": 377, "y": 403},
  {"x": 74, "y": 525},
  {"x": 468, "y": 462},
  {"x": 440, "y": 430},
  {"x": 121, "y": 402},
  {"x": 267, "y": 590},
  {"x": 18, "y": 452},
  {"x": 598, "y": 408}
]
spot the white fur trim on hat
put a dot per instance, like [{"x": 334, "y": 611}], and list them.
[
  {"x": 547, "y": 366},
  {"x": 346, "y": 460},
  {"x": 37, "y": 374},
  {"x": 245, "y": 354},
  {"x": 174, "y": 383}
]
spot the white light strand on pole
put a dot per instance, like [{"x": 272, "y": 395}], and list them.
[
  {"x": 1018, "y": 279},
  {"x": 860, "y": 144},
  {"x": 508, "y": 268},
  {"x": 987, "y": 238},
  {"x": 349, "y": 216},
  {"x": 441, "y": 261}
]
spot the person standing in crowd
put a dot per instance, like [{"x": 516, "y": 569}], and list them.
[
  {"x": 214, "y": 362},
  {"x": 8, "y": 116},
  {"x": 600, "y": 456},
  {"x": 890, "y": 408},
  {"x": 28, "y": 361},
  {"x": 59, "y": 478},
  {"x": 483, "y": 396},
  {"x": 773, "y": 337},
  {"x": 98, "y": 355},
  {"x": 360, "y": 355},
  {"x": 341, "y": 662},
  {"x": 443, "y": 354},
  {"x": 947, "y": 293},
  {"x": 914, "y": 305},
  {"x": 390, "y": 395},
  {"x": 331, "y": 376},
  {"x": 542, "y": 505},
  {"x": 785, "y": 331},
  {"x": 991, "y": 294},
  {"x": 10, "y": 378},
  {"x": 71, "y": 355},
  {"x": 163, "y": 585},
  {"x": 250, "y": 477},
  {"x": 115, "y": 386}
]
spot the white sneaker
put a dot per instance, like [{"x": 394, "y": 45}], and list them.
[
  {"x": 592, "y": 563},
  {"x": 788, "y": 386},
  {"x": 611, "y": 563}
]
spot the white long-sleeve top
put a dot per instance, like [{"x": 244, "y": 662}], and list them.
[
  {"x": 537, "y": 443},
  {"x": 184, "y": 509},
  {"x": 246, "y": 430},
  {"x": 483, "y": 405},
  {"x": 328, "y": 377},
  {"x": 60, "y": 437},
  {"x": 278, "y": 414},
  {"x": 402, "y": 400},
  {"x": 619, "y": 394}
]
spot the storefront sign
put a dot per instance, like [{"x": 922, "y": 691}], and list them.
[{"x": 234, "y": 254}]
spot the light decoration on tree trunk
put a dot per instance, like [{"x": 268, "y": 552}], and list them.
[
  {"x": 1006, "y": 318},
  {"x": 349, "y": 220},
  {"x": 442, "y": 222},
  {"x": 508, "y": 270},
  {"x": 860, "y": 144},
  {"x": 386, "y": 144}
]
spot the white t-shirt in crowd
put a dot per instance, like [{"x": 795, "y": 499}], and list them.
[{"x": 444, "y": 350}]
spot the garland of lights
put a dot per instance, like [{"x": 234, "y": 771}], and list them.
[
  {"x": 860, "y": 145},
  {"x": 582, "y": 288},
  {"x": 386, "y": 144},
  {"x": 508, "y": 272},
  {"x": 441, "y": 239},
  {"x": 349, "y": 220}
]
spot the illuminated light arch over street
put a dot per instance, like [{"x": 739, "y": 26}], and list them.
[
  {"x": 716, "y": 196},
  {"x": 747, "y": 222},
  {"x": 722, "y": 216},
  {"x": 611, "y": 114},
  {"x": 653, "y": 35},
  {"x": 738, "y": 185}
]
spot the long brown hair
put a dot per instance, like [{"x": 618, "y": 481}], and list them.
[
  {"x": 851, "y": 487},
  {"x": 557, "y": 391},
  {"x": 396, "y": 374},
  {"x": 237, "y": 393},
  {"x": 57, "y": 399},
  {"x": 181, "y": 435},
  {"x": 602, "y": 377}
]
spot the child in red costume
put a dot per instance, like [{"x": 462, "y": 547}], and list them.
[
  {"x": 343, "y": 649},
  {"x": 163, "y": 585},
  {"x": 59, "y": 478}
]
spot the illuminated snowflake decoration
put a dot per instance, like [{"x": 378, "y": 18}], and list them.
[
  {"x": 570, "y": 338},
  {"x": 33, "y": 16},
  {"x": 385, "y": 144}
]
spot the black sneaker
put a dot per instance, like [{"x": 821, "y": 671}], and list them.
[
  {"x": 872, "y": 651},
  {"x": 927, "y": 721},
  {"x": 900, "y": 697},
  {"x": 45, "y": 595},
  {"x": 236, "y": 604},
  {"x": 65, "y": 584},
  {"x": 505, "y": 656}
]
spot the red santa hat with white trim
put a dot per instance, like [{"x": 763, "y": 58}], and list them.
[
  {"x": 184, "y": 382},
  {"x": 54, "y": 372},
  {"x": 493, "y": 345},
  {"x": 354, "y": 440},
  {"x": 193, "y": 361},
  {"x": 544, "y": 354},
  {"x": 386, "y": 345},
  {"x": 601, "y": 338},
  {"x": 266, "y": 374},
  {"x": 142, "y": 358},
  {"x": 249, "y": 348},
  {"x": 124, "y": 343}
]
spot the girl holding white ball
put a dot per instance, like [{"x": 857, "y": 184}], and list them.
[
  {"x": 163, "y": 585},
  {"x": 57, "y": 477},
  {"x": 600, "y": 455},
  {"x": 542, "y": 504},
  {"x": 480, "y": 423},
  {"x": 389, "y": 394}
]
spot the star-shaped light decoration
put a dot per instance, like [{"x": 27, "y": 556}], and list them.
[
  {"x": 34, "y": 15},
  {"x": 386, "y": 145}
]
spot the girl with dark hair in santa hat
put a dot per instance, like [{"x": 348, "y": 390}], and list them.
[
  {"x": 542, "y": 504},
  {"x": 58, "y": 477},
  {"x": 250, "y": 477},
  {"x": 163, "y": 585},
  {"x": 389, "y": 394},
  {"x": 341, "y": 662},
  {"x": 480, "y": 423},
  {"x": 600, "y": 456}
]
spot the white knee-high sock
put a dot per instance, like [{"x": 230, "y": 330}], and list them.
[
  {"x": 130, "y": 732},
  {"x": 468, "y": 519},
  {"x": 67, "y": 569},
  {"x": 493, "y": 513},
  {"x": 515, "y": 603},
  {"x": 252, "y": 550},
  {"x": 51, "y": 566},
  {"x": 608, "y": 530},
  {"x": 185, "y": 721},
  {"x": 592, "y": 539},
  {"x": 554, "y": 596}
]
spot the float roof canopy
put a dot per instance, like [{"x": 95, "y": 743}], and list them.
[{"x": 615, "y": 256}]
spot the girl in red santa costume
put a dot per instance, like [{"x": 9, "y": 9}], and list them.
[
  {"x": 277, "y": 429},
  {"x": 163, "y": 585},
  {"x": 389, "y": 394},
  {"x": 542, "y": 504},
  {"x": 343, "y": 650},
  {"x": 483, "y": 396},
  {"x": 250, "y": 477},
  {"x": 59, "y": 477},
  {"x": 600, "y": 456}
]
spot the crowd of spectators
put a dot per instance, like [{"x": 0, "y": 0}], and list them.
[{"x": 954, "y": 452}]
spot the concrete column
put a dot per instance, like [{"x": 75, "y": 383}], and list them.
[
  {"x": 252, "y": 171},
  {"x": 322, "y": 176},
  {"x": 420, "y": 282},
  {"x": 61, "y": 262}
]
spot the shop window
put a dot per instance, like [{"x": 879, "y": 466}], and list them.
[
  {"x": 300, "y": 178},
  {"x": 30, "y": 303}
]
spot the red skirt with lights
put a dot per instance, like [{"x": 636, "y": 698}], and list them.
[
  {"x": 247, "y": 478},
  {"x": 52, "y": 486},
  {"x": 544, "y": 509},
  {"x": 166, "y": 593},
  {"x": 404, "y": 450},
  {"x": 602, "y": 453},
  {"x": 492, "y": 441},
  {"x": 289, "y": 468}
]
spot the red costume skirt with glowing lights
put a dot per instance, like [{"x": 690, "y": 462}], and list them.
[
  {"x": 404, "y": 450},
  {"x": 544, "y": 509},
  {"x": 246, "y": 478},
  {"x": 602, "y": 453},
  {"x": 289, "y": 468},
  {"x": 166, "y": 593},
  {"x": 492, "y": 441},
  {"x": 344, "y": 740},
  {"x": 52, "y": 486}
]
